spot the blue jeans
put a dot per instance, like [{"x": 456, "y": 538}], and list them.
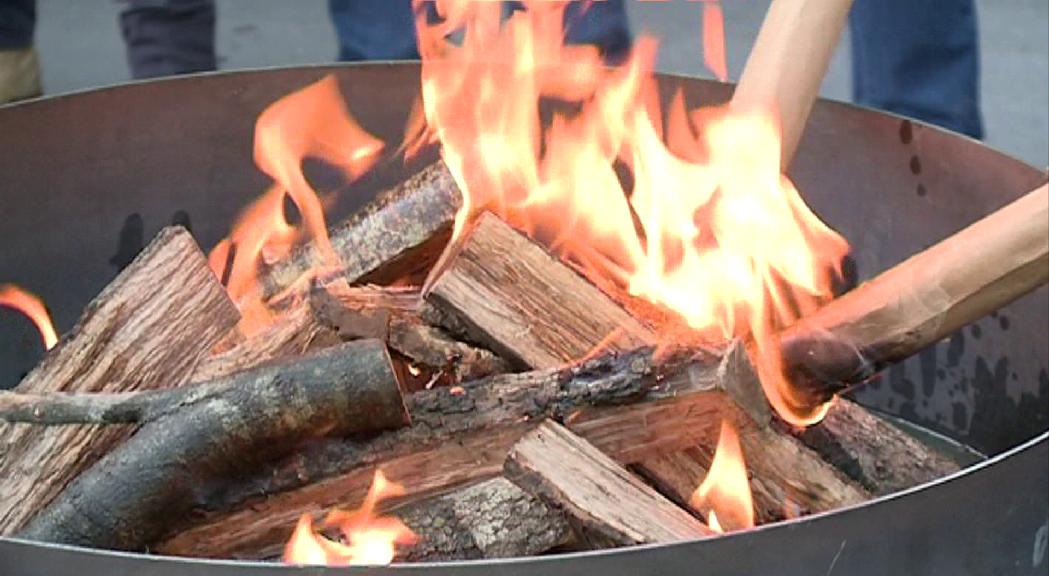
[
  {"x": 17, "y": 21},
  {"x": 919, "y": 58},
  {"x": 385, "y": 29}
]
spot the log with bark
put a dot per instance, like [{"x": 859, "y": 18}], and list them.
[
  {"x": 608, "y": 506},
  {"x": 148, "y": 329},
  {"x": 490, "y": 519},
  {"x": 195, "y": 439},
  {"x": 400, "y": 233}
]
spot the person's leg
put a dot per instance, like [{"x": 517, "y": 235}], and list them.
[
  {"x": 374, "y": 29},
  {"x": 919, "y": 59},
  {"x": 167, "y": 37},
  {"x": 19, "y": 67},
  {"x": 603, "y": 24}
]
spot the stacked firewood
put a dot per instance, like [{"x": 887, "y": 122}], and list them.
[{"x": 522, "y": 408}]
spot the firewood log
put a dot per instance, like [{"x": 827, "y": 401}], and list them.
[
  {"x": 401, "y": 232},
  {"x": 215, "y": 433},
  {"x": 608, "y": 506},
  {"x": 294, "y": 333},
  {"x": 490, "y": 519},
  {"x": 147, "y": 330}
]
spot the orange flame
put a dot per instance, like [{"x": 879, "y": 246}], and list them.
[
  {"x": 714, "y": 39},
  {"x": 33, "y": 307},
  {"x": 370, "y": 540},
  {"x": 312, "y": 122},
  {"x": 709, "y": 227},
  {"x": 725, "y": 492}
]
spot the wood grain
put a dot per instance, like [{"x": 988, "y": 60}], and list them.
[
  {"x": 608, "y": 505},
  {"x": 148, "y": 329}
]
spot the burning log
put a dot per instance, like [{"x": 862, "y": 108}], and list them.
[
  {"x": 523, "y": 303},
  {"x": 195, "y": 441},
  {"x": 296, "y": 332},
  {"x": 399, "y": 233},
  {"x": 922, "y": 300},
  {"x": 395, "y": 316},
  {"x": 608, "y": 505},
  {"x": 147, "y": 330},
  {"x": 491, "y": 519},
  {"x": 461, "y": 435}
]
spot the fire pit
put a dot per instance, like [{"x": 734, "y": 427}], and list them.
[{"x": 109, "y": 168}]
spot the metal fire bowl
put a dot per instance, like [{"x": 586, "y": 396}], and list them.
[{"x": 85, "y": 179}]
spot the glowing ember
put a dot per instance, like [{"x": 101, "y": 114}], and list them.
[
  {"x": 367, "y": 539},
  {"x": 725, "y": 492},
  {"x": 12, "y": 296},
  {"x": 710, "y": 228}
]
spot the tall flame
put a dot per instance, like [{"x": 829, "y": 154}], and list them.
[
  {"x": 312, "y": 122},
  {"x": 725, "y": 492},
  {"x": 714, "y": 39},
  {"x": 33, "y": 307},
  {"x": 708, "y": 226},
  {"x": 368, "y": 539}
]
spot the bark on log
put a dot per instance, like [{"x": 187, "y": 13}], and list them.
[
  {"x": 130, "y": 496},
  {"x": 608, "y": 505},
  {"x": 524, "y": 304},
  {"x": 148, "y": 329},
  {"x": 491, "y": 519},
  {"x": 400, "y": 232},
  {"x": 462, "y": 436},
  {"x": 874, "y": 452},
  {"x": 296, "y": 332}
]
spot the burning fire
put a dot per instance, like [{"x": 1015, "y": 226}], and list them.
[
  {"x": 725, "y": 492},
  {"x": 33, "y": 307},
  {"x": 709, "y": 227},
  {"x": 367, "y": 539},
  {"x": 312, "y": 122}
]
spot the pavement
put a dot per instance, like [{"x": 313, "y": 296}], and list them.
[{"x": 80, "y": 47}]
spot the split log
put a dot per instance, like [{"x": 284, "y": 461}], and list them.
[
  {"x": 401, "y": 232},
  {"x": 608, "y": 506},
  {"x": 294, "y": 333},
  {"x": 524, "y": 304},
  {"x": 148, "y": 329},
  {"x": 922, "y": 300},
  {"x": 395, "y": 317},
  {"x": 215, "y": 434},
  {"x": 491, "y": 519}
]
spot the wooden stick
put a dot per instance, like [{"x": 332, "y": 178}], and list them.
[
  {"x": 131, "y": 494},
  {"x": 524, "y": 304},
  {"x": 400, "y": 232},
  {"x": 922, "y": 300},
  {"x": 608, "y": 505},
  {"x": 146, "y": 330},
  {"x": 788, "y": 62},
  {"x": 491, "y": 519}
]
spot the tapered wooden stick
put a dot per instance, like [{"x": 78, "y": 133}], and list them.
[
  {"x": 922, "y": 300},
  {"x": 788, "y": 61}
]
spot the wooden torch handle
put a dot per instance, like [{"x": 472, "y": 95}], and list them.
[
  {"x": 788, "y": 61},
  {"x": 922, "y": 300}
]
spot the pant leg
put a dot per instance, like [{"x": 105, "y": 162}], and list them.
[
  {"x": 603, "y": 24},
  {"x": 167, "y": 37},
  {"x": 17, "y": 22},
  {"x": 374, "y": 29},
  {"x": 918, "y": 58}
]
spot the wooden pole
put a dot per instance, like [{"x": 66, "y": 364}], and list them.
[
  {"x": 922, "y": 300},
  {"x": 788, "y": 62}
]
